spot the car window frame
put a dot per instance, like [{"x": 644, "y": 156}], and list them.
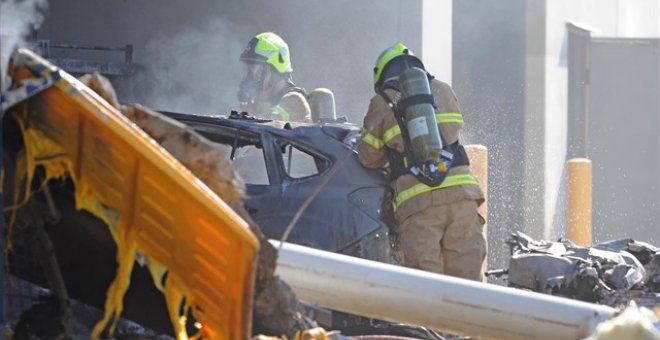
[
  {"x": 278, "y": 144},
  {"x": 270, "y": 149}
]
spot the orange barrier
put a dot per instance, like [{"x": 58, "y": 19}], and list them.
[{"x": 151, "y": 203}]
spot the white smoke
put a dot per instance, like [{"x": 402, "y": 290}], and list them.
[
  {"x": 193, "y": 70},
  {"x": 18, "y": 18}
]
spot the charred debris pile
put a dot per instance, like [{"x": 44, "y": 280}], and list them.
[{"x": 611, "y": 273}]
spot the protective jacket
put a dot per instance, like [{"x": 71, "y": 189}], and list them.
[
  {"x": 289, "y": 104},
  {"x": 382, "y": 135}
]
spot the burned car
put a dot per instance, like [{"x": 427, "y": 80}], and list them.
[{"x": 283, "y": 164}]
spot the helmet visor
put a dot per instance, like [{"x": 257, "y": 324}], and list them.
[{"x": 252, "y": 82}]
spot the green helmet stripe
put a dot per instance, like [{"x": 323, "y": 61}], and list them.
[{"x": 392, "y": 52}]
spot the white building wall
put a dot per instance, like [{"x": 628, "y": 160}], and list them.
[
  {"x": 610, "y": 18},
  {"x": 437, "y": 38},
  {"x": 638, "y": 18}
]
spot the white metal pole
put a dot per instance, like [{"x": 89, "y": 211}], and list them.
[{"x": 400, "y": 294}]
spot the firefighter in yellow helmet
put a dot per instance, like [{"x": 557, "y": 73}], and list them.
[
  {"x": 435, "y": 202},
  {"x": 267, "y": 90}
]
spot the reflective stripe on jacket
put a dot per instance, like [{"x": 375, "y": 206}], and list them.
[{"x": 281, "y": 112}]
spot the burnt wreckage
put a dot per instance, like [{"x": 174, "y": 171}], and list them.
[
  {"x": 281, "y": 163},
  {"x": 284, "y": 163},
  {"x": 611, "y": 273}
]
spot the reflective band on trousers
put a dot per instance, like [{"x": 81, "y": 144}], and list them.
[
  {"x": 280, "y": 111},
  {"x": 373, "y": 141},
  {"x": 440, "y": 117},
  {"x": 420, "y": 188}
]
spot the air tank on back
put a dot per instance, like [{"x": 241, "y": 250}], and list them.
[{"x": 421, "y": 123}]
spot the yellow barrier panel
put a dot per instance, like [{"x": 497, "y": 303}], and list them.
[
  {"x": 151, "y": 203},
  {"x": 478, "y": 155},
  {"x": 579, "y": 201}
]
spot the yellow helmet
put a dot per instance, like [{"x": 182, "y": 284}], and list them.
[
  {"x": 268, "y": 48},
  {"x": 391, "y": 56}
]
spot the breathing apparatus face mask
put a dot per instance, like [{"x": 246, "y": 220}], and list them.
[{"x": 253, "y": 83}]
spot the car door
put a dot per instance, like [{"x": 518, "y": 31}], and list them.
[{"x": 294, "y": 172}]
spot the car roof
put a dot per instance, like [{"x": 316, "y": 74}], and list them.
[{"x": 335, "y": 130}]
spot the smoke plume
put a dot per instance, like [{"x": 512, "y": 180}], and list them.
[
  {"x": 196, "y": 69},
  {"x": 18, "y": 19}
]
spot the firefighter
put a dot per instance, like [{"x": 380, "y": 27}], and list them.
[
  {"x": 267, "y": 90},
  {"x": 439, "y": 228}
]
